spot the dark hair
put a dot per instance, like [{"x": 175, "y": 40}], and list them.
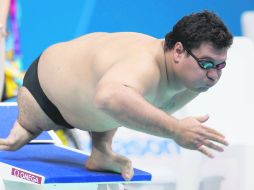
[{"x": 194, "y": 29}]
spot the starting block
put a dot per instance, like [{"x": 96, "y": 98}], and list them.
[{"x": 46, "y": 164}]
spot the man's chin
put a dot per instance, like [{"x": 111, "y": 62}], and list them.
[{"x": 202, "y": 89}]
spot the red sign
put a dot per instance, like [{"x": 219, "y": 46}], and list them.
[{"x": 26, "y": 176}]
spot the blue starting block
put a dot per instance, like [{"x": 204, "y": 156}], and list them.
[{"x": 45, "y": 164}]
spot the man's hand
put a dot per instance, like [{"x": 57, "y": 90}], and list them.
[{"x": 191, "y": 133}]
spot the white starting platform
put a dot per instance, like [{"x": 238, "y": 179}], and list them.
[{"x": 46, "y": 164}]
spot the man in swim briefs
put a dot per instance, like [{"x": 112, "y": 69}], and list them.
[{"x": 101, "y": 81}]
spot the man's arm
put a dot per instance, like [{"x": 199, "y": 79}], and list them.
[
  {"x": 128, "y": 107},
  {"x": 120, "y": 95}
]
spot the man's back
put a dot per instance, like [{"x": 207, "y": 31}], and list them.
[{"x": 69, "y": 72}]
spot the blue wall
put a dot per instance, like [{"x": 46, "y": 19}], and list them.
[{"x": 49, "y": 21}]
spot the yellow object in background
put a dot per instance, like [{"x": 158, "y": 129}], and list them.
[
  {"x": 13, "y": 76},
  {"x": 61, "y": 134}
]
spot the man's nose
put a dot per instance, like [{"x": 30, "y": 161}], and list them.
[{"x": 213, "y": 75}]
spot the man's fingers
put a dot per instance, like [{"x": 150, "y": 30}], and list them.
[
  {"x": 210, "y": 130},
  {"x": 206, "y": 152},
  {"x": 214, "y": 135},
  {"x": 212, "y": 146},
  {"x": 216, "y": 138}
]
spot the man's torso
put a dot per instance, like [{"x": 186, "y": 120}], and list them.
[{"x": 69, "y": 73}]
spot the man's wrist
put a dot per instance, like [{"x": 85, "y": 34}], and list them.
[
  {"x": 172, "y": 124},
  {"x": 3, "y": 31}
]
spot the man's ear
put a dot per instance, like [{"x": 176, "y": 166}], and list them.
[{"x": 178, "y": 52}]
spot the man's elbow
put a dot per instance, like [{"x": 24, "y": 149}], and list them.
[{"x": 106, "y": 98}]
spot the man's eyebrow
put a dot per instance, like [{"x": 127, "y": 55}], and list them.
[{"x": 207, "y": 57}]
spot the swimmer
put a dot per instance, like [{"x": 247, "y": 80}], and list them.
[{"x": 101, "y": 81}]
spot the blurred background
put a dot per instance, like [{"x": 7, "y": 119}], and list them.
[
  {"x": 46, "y": 22},
  {"x": 35, "y": 25}
]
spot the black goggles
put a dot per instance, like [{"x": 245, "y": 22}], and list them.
[{"x": 206, "y": 64}]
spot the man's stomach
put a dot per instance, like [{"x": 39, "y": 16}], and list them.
[{"x": 89, "y": 118}]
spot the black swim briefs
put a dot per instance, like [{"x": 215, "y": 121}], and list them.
[{"x": 31, "y": 82}]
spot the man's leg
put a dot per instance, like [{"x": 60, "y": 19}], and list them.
[
  {"x": 104, "y": 159},
  {"x": 30, "y": 123},
  {"x": 18, "y": 137}
]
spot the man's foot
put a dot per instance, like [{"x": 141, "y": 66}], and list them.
[
  {"x": 18, "y": 137},
  {"x": 109, "y": 161}
]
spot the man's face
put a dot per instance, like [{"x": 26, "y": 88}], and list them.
[{"x": 196, "y": 78}]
